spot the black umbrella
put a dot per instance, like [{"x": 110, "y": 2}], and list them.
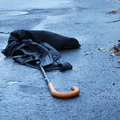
[{"x": 38, "y": 49}]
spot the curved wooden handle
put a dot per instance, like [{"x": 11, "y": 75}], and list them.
[{"x": 75, "y": 92}]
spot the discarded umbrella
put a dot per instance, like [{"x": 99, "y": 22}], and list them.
[{"x": 38, "y": 49}]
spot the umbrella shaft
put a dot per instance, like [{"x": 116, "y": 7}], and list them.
[{"x": 44, "y": 74}]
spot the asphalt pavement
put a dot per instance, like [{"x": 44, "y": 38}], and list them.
[{"x": 24, "y": 94}]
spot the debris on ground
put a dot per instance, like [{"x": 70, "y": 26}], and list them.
[
  {"x": 116, "y": 49},
  {"x": 103, "y": 50},
  {"x": 12, "y": 83},
  {"x": 113, "y": 83},
  {"x": 114, "y": 12}
]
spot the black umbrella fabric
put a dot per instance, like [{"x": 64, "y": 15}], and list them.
[
  {"x": 34, "y": 48},
  {"x": 39, "y": 49}
]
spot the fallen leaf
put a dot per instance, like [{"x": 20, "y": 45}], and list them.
[
  {"x": 117, "y": 53},
  {"x": 103, "y": 50}
]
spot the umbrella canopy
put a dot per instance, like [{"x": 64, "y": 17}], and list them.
[{"x": 34, "y": 48}]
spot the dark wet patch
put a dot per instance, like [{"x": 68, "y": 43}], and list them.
[
  {"x": 4, "y": 32},
  {"x": 77, "y": 23},
  {"x": 82, "y": 8},
  {"x": 50, "y": 11},
  {"x": 114, "y": 12},
  {"x": 113, "y": 21},
  {"x": 56, "y": 11},
  {"x": 29, "y": 89},
  {"x": 116, "y": 0}
]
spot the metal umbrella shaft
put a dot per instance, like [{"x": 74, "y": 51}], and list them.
[
  {"x": 44, "y": 74},
  {"x": 75, "y": 90}
]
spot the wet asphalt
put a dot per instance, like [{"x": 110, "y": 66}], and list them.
[{"x": 24, "y": 94}]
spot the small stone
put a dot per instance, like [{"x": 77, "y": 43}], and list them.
[{"x": 113, "y": 83}]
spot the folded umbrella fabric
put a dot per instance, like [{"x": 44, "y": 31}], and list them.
[{"x": 34, "y": 48}]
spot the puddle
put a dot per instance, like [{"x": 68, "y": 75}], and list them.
[{"x": 13, "y": 13}]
